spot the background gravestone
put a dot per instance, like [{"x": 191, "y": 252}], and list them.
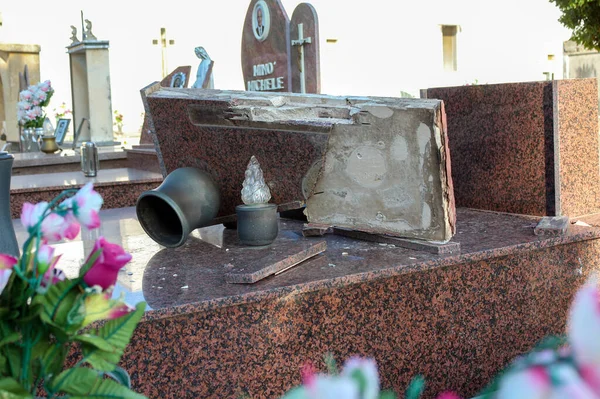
[
  {"x": 266, "y": 47},
  {"x": 306, "y": 15}
]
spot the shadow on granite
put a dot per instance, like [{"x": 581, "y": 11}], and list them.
[{"x": 456, "y": 319}]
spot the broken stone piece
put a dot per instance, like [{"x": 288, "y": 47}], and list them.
[
  {"x": 552, "y": 226},
  {"x": 388, "y": 174}
]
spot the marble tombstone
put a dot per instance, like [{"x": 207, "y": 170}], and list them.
[{"x": 379, "y": 165}]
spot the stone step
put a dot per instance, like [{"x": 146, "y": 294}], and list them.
[{"x": 120, "y": 187}]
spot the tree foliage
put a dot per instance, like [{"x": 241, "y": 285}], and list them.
[{"x": 583, "y": 18}]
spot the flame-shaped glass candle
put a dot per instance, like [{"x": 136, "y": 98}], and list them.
[{"x": 257, "y": 220}]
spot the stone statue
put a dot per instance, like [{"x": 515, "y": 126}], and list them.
[
  {"x": 204, "y": 77},
  {"x": 88, "y": 35},
  {"x": 74, "y": 38}
]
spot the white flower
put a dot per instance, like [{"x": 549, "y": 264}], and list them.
[
  {"x": 530, "y": 383},
  {"x": 584, "y": 324},
  {"x": 368, "y": 370}
]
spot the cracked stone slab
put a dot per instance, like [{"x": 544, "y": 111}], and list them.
[{"x": 389, "y": 174}]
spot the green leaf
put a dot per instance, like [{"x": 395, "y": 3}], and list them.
[
  {"x": 58, "y": 302},
  {"x": 331, "y": 364},
  {"x": 11, "y": 389},
  {"x": 84, "y": 382},
  {"x": 387, "y": 395},
  {"x": 90, "y": 262},
  {"x": 52, "y": 361},
  {"x": 13, "y": 356},
  {"x": 121, "y": 376},
  {"x": 551, "y": 342},
  {"x": 117, "y": 333},
  {"x": 415, "y": 388},
  {"x": 96, "y": 341},
  {"x": 361, "y": 380},
  {"x": 12, "y": 337}
]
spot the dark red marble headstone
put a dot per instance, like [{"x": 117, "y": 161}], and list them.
[
  {"x": 266, "y": 53},
  {"x": 306, "y": 15},
  {"x": 146, "y": 135}
]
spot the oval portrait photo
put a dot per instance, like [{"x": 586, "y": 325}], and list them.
[{"x": 261, "y": 20}]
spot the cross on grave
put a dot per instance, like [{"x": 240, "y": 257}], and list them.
[
  {"x": 300, "y": 42},
  {"x": 163, "y": 49}
]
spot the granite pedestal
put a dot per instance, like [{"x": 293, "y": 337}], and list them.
[{"x": 456, "y": 319}]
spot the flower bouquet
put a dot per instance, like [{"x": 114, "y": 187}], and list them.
[
  {"x": 43, "y": 314},
  {"x": 30, "y": 113}
]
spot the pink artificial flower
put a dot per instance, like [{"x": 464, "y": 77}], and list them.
[
  {"x": 531, "y": 383},
  {"x": 72, "y": 227},
  {"x": 584, "y": 324},
  {"x": 86, "y": 205},
  {"x": 25, "y": 95},
  {"x": 24, "y": 105},
  {"x": 100, "y": 306},
  {"x": 31, "y": 214},
  {"x": 106, "y": 268},
  {"x": 7, "y": 263},
  {"x": 45, "y": 86},
  {"x": 44, "y": 257},
  {"x": 448, "y": 395},
  {"x": 52, "y": 275},
  {"x": 41, "y": 96},
  {"x": 569, "y": 385},
  {"x": 53, "y": 227},
  {"x": 308, "y": 374}
]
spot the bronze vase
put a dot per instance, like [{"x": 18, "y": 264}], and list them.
[
  {"x": 188, "y": 198},
  {"x": 49, "y": 145}
]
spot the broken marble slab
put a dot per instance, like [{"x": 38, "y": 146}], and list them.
[
  {"x": 373, "y": 164},
  {"x": 388, "y": 174}
]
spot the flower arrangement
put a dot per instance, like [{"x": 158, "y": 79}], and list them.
[
  {"x": 61, "y": 111},
  {"x": 118, "y": 120},
  {"x": 43, "y": 314},
  {"x": 30, "y": 113},
  {"x": 558, "y": 368}
]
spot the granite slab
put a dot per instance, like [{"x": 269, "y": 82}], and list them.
[
  {"x": 455, "y": 318},
  {"x": 527, "y": 148}
]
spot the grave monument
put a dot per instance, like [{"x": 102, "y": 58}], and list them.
[
  {"x": 357, "y": 163},
  {"x": 372, "y": 164},
  {"x": 14, "y": 58},
  {"x": 279, "y": 55},
  {"x": 90, "y": 86}
]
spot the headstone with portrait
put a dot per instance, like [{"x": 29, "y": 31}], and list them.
[{"x": 273, "y": 60}]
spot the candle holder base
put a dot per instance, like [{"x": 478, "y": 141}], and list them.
[{"x": 257, "y": 224}]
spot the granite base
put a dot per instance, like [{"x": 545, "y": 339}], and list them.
[{"x": 456, "y": 319}]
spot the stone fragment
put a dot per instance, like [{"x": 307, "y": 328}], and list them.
[{"x": 552, "y": 226}]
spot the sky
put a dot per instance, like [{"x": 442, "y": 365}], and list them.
[{"x": 383, "y": 47}]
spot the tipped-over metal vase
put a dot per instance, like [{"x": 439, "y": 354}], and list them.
[{"x": 187, "y": 199}]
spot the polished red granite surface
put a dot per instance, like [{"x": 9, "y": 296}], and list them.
[
  {"x": 527, "y": 148},
  {"x": 457, "y": 319},
  {"x": 119, "y": 187}
]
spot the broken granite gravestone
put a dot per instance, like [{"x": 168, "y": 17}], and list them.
[
  {"x": 272, "y": 60},
  {"x": 379, "y": 165}
]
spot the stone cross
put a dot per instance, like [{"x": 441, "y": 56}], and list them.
[
  {"x": 163, "y": 49},
  {"x": 300, "y": 42}
]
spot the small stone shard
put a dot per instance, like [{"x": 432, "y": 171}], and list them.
[{"x": 552, "y": 226}]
